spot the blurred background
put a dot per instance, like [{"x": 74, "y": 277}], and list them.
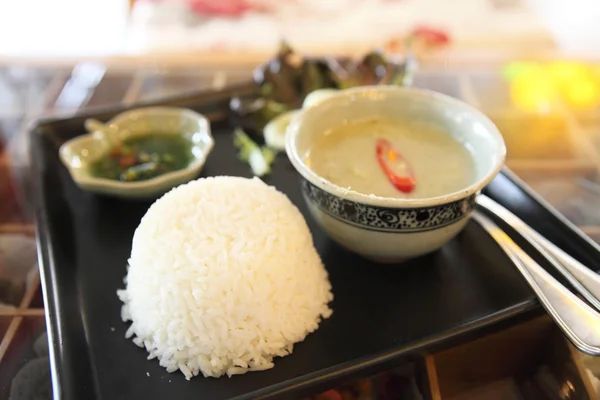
[
  {"x": 92, "y": 28},
  {"x": 533, "y": 66}
]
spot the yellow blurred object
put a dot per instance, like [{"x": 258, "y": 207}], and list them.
[
  {"x": 539, "y": 87},
  {"x": 534, "y": 91},
  {"x": 582, "y": 93},
  {"x": 578, "y": 83},
  {"x": 564, "y": 71}
]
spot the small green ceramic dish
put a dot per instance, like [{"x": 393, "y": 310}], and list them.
[{"x": 79, "y": 153}]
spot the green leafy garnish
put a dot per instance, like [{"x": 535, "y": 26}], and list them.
[
  {"x": 285, "y": 81},
  {"x": 259, "y": 158}
]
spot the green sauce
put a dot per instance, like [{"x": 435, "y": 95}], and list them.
[{"x": 144, "y": 157}]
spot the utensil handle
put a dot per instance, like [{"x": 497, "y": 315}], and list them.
[
  {"x": 579, "y": 322},
  {"x": 584, "y": 280},
  {"x": 586, "y": 276}
]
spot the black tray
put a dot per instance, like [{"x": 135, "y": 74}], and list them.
[{"x": 382, "y": 315}]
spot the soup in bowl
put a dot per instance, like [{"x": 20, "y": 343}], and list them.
[{"x": 392, "y": 173}]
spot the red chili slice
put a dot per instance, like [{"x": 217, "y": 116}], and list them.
[
  {"x": 431, "y": 36},
  {"x": 116, "y": 152},
  {"x": 127, "y": 161},
  {"x": 224, "y": 8},
  {"x": 395, "y": 167}
]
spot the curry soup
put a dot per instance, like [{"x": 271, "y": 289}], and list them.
[{"x": 392, "y": 158}]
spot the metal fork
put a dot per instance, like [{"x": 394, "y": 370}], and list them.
[
  {"x": 584, "y": 280},
  {"x": 579, "y": 322}
]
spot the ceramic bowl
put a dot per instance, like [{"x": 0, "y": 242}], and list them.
[
  {"x": 392, "y": 229},
  {"x": 78, "y": 153}
]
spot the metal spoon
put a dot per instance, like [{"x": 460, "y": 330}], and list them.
[
  {"x": 584, "y": 280},
  {"x": 579, "y": 322}
]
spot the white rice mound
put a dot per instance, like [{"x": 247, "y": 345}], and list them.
[{"x": 223, "y": 276}]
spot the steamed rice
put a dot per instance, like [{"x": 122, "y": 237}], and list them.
[{"x": 223, "y": 276}]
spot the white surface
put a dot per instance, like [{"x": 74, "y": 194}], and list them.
[
  {"x": 330, "y": 26},
  {"x": 91, "y": 28},
  {"x": 62, "y": 27},
  {"x": 574, "y": 24}
]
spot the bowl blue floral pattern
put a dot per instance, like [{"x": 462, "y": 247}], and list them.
[{"x": 387, "y": 219}]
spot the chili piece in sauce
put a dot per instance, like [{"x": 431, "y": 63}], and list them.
[
  {"x": 395, "y": 167},
  {"x": 144, "y": 157}
]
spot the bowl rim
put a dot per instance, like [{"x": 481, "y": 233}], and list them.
[
  {"x": 391, "y": 202},
  {"x": 159, "y": 181}
]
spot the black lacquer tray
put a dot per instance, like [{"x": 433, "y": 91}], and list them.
[{"x": 383, "y": 315}]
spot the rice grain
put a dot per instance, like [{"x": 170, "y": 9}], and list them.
[{"x": 223, "y": 277}]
